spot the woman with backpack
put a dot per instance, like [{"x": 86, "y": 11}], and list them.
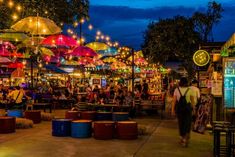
[{"x": 183, "y": 102}]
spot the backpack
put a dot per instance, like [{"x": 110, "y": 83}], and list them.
[{"x": 182, "y": 105}]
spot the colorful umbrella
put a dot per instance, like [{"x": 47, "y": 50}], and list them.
[
  {"x": 140, "y": 61},
  {"x": 4, "y": 60},
  {"x": 33, "y": 41},
  {"x": 118, "y": 65},
  {"x": 46, "y": 51},
  {"x": 70, "y": 63},
  {"x": 18, "y": 73},
  {"x": 37, "y": 26},
  {"x": 83, "y": 51},
  {"x": 97, "y": 46},
  {"x": 109, "y": 60},
  {"x": 59, "y": 40},
  {"x": 112, "y": 51},
  {"x": 4, "y": 51},
  {"x": 85, "y": 60},
  {"x": 16, "y": 65},
  {"x": 11, "y": 35}
]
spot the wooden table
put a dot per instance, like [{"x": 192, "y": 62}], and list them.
[{"x": 45, "y": 105}]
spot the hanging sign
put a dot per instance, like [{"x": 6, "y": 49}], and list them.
[{"x": 201, "y": 58}]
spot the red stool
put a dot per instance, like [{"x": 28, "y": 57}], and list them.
[
  {"x": 7, "y": 125},
  {"x": 104, "y": 130},
  {"x": 74, "y": 115},
  {"x": 33, "y": 115},
  {"x": 127, "y": 130},
  {"x": 89, "y": 115}
]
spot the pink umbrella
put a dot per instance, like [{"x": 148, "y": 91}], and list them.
[
  {"x": 4, "y": 51},
  {"x": 59, "y": 40},
  {"x": 4, "y": 60},
  {"x": 83, "y": 51}
]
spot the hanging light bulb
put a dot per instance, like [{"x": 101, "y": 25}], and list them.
[{"x": 90, "y": 27}]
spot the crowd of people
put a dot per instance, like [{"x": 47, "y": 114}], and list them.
[{"x": 116, "y": 93}]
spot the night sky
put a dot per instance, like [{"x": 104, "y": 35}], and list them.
[{"x": 126, "y": 20}]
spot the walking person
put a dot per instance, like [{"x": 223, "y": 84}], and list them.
[{"x": 183, "y": 102}]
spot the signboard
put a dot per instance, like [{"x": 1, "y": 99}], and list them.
[
  {"x": 201, "y": 58},
  {"x": 96, "y": 81}
]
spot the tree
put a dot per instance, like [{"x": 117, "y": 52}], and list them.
[
  {"x": 171, "y": 38},
  {"x": 204, "y": 22},
  {"x": 60, "y": 11}
]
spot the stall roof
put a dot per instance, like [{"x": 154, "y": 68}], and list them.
[
  {"x": 55, "y": 69},
  {"x": 230, "y": 42}
]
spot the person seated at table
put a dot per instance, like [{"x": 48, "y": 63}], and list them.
[
  {"x": 119, "y": 98},
  {"x": 128, "y": 99},
  {"x": 102, "y": 97},
  {"x": 62, "y": 96},
  {"x": 16, "y": 97},
  {"x": 96, "y": 90}
]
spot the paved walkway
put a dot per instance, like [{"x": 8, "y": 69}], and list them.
[{"x": 162, "y": 142}]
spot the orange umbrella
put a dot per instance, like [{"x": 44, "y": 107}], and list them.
[{"x": 18, "y": 73}]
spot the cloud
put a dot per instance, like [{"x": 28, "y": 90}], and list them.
[{"x": 127, "y": 24}]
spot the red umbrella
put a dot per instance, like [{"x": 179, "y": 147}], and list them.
[
  {"x": 16, "y": 65},
  {"x": 59, "y": 40},
  {"x": 83, "y": 51}
]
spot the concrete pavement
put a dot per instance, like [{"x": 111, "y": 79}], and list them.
[{"x": 162, "y": 141}]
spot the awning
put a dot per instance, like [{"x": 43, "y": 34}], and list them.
[{"x": 55, "y": 69}]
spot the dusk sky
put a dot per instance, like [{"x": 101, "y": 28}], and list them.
[{"x": 126, "y": 20}]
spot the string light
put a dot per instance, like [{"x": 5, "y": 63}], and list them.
[
  {"x": 98, "y": 33},
  {"x": 10, "y": 3},
  {"x": 18, "y": 8},
  {"x": 82, "y": 21},
  {"x": 90, "y": 27},
  {"x": 15, "y": 17}
]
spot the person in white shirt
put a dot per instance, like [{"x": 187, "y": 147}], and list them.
[{"x": 184, "y": 116}]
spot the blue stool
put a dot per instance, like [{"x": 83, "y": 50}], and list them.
[
  {"x": 120, "y": 116},
  {"x": 81, "y": 128},
  {"x": 15, "y": 113},
  {"x": 61, "y": 127}
]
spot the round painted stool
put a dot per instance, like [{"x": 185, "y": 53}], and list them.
[
  {"x": 81, "y": 128},
  {"x": 127, "y": 130},
  {"x": 103, "y": 116},
  {"x": 7, "y": 125},
  {"x": 120, "y": 116},
  {"x": 74, "y": 115},
  {"x": 15, "y": 113},
  {"x": 61, "y": 127},
  {"x": 104, "y": 130},
  {"x": 33, "y": 115},
  {"x": 89, "y": 115}
]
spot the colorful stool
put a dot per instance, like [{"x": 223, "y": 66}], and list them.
[
  {"x": 120, "y": 116},
  {"x": 33, "y": 115},
  {"x": 89, "y": 115},
  {"x": 81, "y": 128},
  {"x": 7, "y": 125},
  {"x": 103, "y": 116},
  {"x": 15, "y": 113},
  {"x": 104, "y": 130},
  {"x": 74, "y": 115},
  {"x": 61, "y": 127},
  {"x": 127, "y": 130}
]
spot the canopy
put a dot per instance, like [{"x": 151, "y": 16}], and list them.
[
  {"x": 4, "y": 60},
  {"x": 230, "y": 42},
  {"x": 109, "y": 60},
  {"x": 36, "y": 25},
  {"x": 33, "y": 41},
  {"x": 112, "y": 51}
]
